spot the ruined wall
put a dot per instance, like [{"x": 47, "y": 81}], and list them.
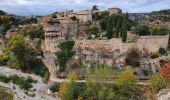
[{"x": 150, "y": 43}]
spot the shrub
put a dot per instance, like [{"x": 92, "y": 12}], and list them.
[
  {"x": 158, "y": 82},
  {"x": 3, "y": 59},
  {"x": 155, "y": 55},
  {"x": 142, "y": 30},
  {"x": 133, "y": 57},
  {"x": 55, "y": 87},
  {"x": 162, "y": 51},
  {"x": 4, "y": 79},
  {"x": 145, "y": 72}
]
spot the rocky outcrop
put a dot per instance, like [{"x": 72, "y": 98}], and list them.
[{"x": 164, "y": 94}]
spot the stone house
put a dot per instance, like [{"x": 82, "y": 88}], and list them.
[{"x": 84, "y": 16}]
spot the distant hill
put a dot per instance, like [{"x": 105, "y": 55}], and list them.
[
  {"x": 137, "y": 16},
  {"x": 163, "y": 12},
  {"x": 163, "y": 15},
  {"x": 2, "y": 12}
]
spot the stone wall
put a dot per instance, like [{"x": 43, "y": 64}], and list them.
[{"x": 150, "y": 43}]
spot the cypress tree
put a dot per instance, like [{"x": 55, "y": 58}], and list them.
[
  {"x": 124, "y": 28},
  {"x": 109, "y": 28}
]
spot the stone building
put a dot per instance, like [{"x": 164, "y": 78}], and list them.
[
  {"x": 84, "y": 16},
  {"x": 114, "y": 10},
  {"x": 54, "y": 34}
]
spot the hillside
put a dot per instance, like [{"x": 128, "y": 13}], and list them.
[{"x": 163, "y": 15}]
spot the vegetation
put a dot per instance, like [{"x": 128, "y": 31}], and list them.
[
  {"x": 21, "y": 82},
  {"x": 74, "y": 18},
  {"x": 162, "y": 51},
  {"x": 65, "y": 53},
  {"x": 127, "y": 87},
  {"x": 133, "y": 57},
  {"x": 160, "y": 30},
  {"x": 158, "y": 82},
  {"x": 20, "y": 53},
  {"x": 33, "y": 31},
  {"x": 93, "y": 30},
  {"x": 53, "y": 21},
  {"x": 142, "y": 30},
  {"x": 54, "y": 87},
  {"x": 2, "y": 12},
  {"x": 117, "y": 26},
  {"x": 5, "y": 95},
  {"x": 95, "y": 7}
]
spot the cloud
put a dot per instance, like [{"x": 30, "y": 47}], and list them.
[{"x": 42, "y": 7}]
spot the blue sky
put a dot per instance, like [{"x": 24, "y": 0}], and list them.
[{"x": 43, "y": 7}]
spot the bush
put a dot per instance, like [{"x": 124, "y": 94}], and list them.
[
  {"x": 157, "y": 83},
  {"x": 53, "y": 21},
  {"x": 23, "y": 84},
  {"x": 4, "y": 79},
  {"x": 55, "y": 87},
  {"x": 142, "y": 30},
  {"x": 145, "y": 72},
  {"x": 3, "y": 59},
  {"x": 162, "y": 51},
  {"x": 155, "y": 55},
  {"x": 133, "y": 57}
]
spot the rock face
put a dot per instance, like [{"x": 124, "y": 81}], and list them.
[{"x": 164, "y": 94}]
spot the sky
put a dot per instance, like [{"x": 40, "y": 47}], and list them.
[{"x": 43, "y": 7}]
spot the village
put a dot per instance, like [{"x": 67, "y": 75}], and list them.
[{"x": 66, "y": 46}]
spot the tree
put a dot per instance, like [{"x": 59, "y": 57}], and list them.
[
  {"x": 72, "y": 75},
  {"x": 124, "y": 28},
  {"x": 65, "y": 53},
  {"x": 103, "y": 24},
  {"x": 93, "y": 30},
  {"x": 133, "y": 57},
  {"x": 142, "y": 30},
  {"x": 109, "y": 28},
  {"x": 97, "y": 89},
  {"x": 127, "y": 86},
  {"x": 117, "y": 25},
  {"x": 95, "y": 7},
  {"x": 66, "y": 91},
  {"x": 20, "y": 52}
]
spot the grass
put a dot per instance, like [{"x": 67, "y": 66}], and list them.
[{"x": 4, "y": 95}]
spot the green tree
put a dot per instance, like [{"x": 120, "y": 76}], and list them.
[
  {"x": 103, "y": 24},
  {"x": 142, "y": 30},
  {"x": 93, "y": 30},
  {"x": 20, "y": 52},
  {"x": 109, "y": 28},
  {"x": 124, "y": 28},
  {"x": 65, "y": 53},
  {"x": 95, "y": 7}
]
